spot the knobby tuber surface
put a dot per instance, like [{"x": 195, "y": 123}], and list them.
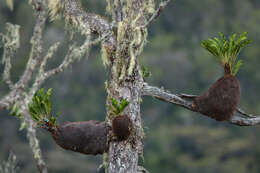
[
  {"x": 220, "y": 100},
  {"x": 121, "y": 127},
  {"x": 87, "y": 137}
]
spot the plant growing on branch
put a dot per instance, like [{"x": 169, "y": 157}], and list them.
[
  {"x": 87, "y": 137},
  {"x": 226, "y": 50},
  {"x": 40, "y": 109},
  {"x": 222, "y": 97},
  {"x": 118, "y": 108},
  {"x": 121, "y": 124}
]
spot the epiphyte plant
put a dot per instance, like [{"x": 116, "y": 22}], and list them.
[
  {"x": 121, "y": 124},
  {"x": 87, "y": 137},
  {"x": 221, "y": 99},
  {"x": 40, "y": 109},
  {"x": 226, "y": 50},
  {"x": 118, "y": 108}
]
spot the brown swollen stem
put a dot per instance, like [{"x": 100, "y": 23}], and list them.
[
  {"x": 86, "y": 137},
  {"x": 221, "y": 99},
  {"x": 227, "y": 70},
  {"x": 122, "y": 127}
]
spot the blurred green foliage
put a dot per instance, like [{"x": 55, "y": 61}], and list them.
[{"x": 176, "y": 140}]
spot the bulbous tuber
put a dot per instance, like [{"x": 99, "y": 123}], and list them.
[
  {"x": 121, "y": 127},
  {"x": 220, "y": 100},
  {"x": 87, "y": 137}
]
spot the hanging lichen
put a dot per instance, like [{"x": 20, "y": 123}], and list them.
[
  {"x": 109, "y": 6},
  {"x": 55, "y": 8},
  {"x": 10, "y": 4}
]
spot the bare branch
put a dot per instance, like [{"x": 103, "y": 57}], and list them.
[
  {"x": 240, "y": 111},
  {"x": 49, "y": 55},
  {"x": 187, "y": 96},
  {"x": 244, "y": 121},
  {"x": 166, "y": 96},
  {"x": 11, "y": 42},
  {"x": 36, "y": 41},
  {"x": 18, "y": 95},
  {"x": 74, "y": 53},
  {"x": 156, "y": 13},
  {"x": 31, "y": 135}
]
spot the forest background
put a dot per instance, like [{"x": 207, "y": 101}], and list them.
[{"x": 176, "y": 139}]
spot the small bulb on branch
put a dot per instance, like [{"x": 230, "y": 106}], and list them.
[
  {"x": 121, "y": 127},
  {"x": 121, "y": 124}
]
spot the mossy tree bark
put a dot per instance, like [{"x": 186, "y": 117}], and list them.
[
  {"x": 126, "y": 81},
  {"x": 123, "y": 156}
]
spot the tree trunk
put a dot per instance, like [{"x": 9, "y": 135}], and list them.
[
  {"x": 123, "y": 156},
  {"x": 126, "y": 82}
]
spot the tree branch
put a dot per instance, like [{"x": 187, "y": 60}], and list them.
[
  {"x": 179, "y": 100},
  {"x": 74, "y": 53},
  {"x": 83, "y": 21},
  {"x": 240, "y": 111},
  {"x": 11, "y": 42},
  {"x": 17, "y": 95},
  {"x": 166, "y": 96},
  {"x": 156, "y": 13},
  {"x": 36, "y": 41}
]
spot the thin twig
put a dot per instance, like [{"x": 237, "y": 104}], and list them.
[
  {"x": 245, "y": 114},
  {"x": 188, "y": 96},
  {"x": 73, "y": 54},
  {"x": 48, "y": 56},
  {"x": 11, "y": 43},
  {"x": 156, "y": 13},
  {"x": 36, "y": 49}
]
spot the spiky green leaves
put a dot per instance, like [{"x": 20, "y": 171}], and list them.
[
  {"x": 226, "y": 50},
  {"x": 118, "y": 108},
  {"x": 40, "y": 109}
]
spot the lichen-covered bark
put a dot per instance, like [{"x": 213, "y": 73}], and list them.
[
  {"x": 123, "y": 156},
  {"x": 33, "y": 141},
  {"x": 126, "y": 81}
]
